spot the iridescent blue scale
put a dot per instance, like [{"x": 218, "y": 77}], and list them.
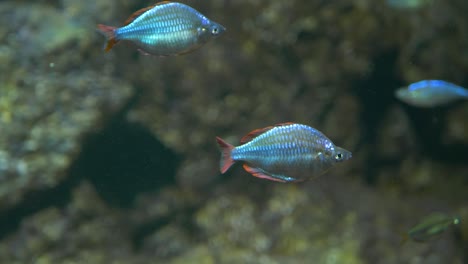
[
  {"x": 167, "y": 28},
  {"x": 289, "y": 152}
]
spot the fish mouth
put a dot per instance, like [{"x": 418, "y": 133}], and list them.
[
  {"x": 222, "y": 29},
  {"x": 348, "y": 156}
]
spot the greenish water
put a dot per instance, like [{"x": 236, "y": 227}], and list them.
[{"x": 111, "y": 157}]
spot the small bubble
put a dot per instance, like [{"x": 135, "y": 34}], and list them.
[{"x": 51, "y": 65}]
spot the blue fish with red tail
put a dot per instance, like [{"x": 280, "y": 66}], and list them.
[
  {"x": 287, "y": 152},
  {"x": 164, "y": 29}
]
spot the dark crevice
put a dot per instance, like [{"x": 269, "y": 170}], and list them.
[
  {"x": 148, "y": 228},
  {"x": 125, "y": 160},
  {"x": 429, "y": 125},
  {"x": 376, "y": 95},
  {"x": 34, "y": 201},
  {"x": 58, "y": 196},
  {"x": 122, "y": 160},
  {"x": 183, "y": 216}
]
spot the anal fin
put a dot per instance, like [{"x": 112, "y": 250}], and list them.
[{"x": 259, "y": 173}]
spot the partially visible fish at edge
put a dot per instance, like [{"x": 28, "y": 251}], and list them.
[
  {"x": 408, "y": 4},
  {"x": 164, "y": 29},
  {"x": 287, "y": 152},
  {"x": 431, "y": 93}
]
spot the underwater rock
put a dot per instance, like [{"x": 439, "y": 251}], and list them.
[
  {"x": 341, "y": 119},
  {"x": 236, "y": 216},
  {"x": 396, "y": 136},
  {"x": 290, "y": 224},
  {"x": 45, "y": 118},
  {"x": 285, "y": 227},
  {"x": 36, "y": 30},
  {"x": 49, "y": 103},
  {"x": 86, "y": 230},
  {"x": 426, "y": 50},
  {"x": 456, "y": 127},
  {"x": 199, "y": 254}
]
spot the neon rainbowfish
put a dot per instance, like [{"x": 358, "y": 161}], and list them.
[
  {"x": 166, "y": 28},
  {"x": 431, "y": 93},
  {"x": 285, "y": 152}
]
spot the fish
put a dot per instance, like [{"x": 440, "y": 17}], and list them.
[
  {"x": 164, "y": 29},
  {"x": 408, "y": 4},
  {"x": 286, "y": 152},
  {"x": 431, "y": 93},
  {"x": 431, "y": 226}
]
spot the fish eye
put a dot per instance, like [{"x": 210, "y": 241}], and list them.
[
  {"x": 339, "y": 156},
  {"x": 215, "y": 31}
]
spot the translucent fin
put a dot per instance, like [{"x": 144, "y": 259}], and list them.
[
  {"x": 226, "y": 158},
  {"x": 259, "y": 173},
  {"x": 143, "y": 52},
  {"x": 141, "y": 11},
  {"x": 255, "y": 133},
  {"x": 109, "y": 32}
]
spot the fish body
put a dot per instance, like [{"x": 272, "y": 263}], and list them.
[
  {"x": 431, "y": 93},
  {"x": 431, "y": 226},
  {"x": 167, "y": 28},
  {"x": 286, "y": 152}
]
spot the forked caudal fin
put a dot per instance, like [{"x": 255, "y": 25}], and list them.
[
  {"x": 226, "y": 158},
  {"x": 109, "y": 32}
]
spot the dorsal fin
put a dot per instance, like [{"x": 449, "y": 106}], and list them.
[
  {"x": 284, "y": 124},
  {"x": 253, "y": 134},
  {"x": 141, "y": 11}
]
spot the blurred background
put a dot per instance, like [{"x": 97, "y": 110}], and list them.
[{"x": 111, "y": 157}]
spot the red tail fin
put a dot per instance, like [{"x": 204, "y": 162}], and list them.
[
  {"x": 109, "y": 32},
  {"x": 226, "y": 159}
]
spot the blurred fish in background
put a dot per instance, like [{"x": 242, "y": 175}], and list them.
[
  {"x": 431, "y": 226},
  {"x": 431, "y": 93},
  {"x": 408, "y": 4},
  {"x": 166, "y": 28}
]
